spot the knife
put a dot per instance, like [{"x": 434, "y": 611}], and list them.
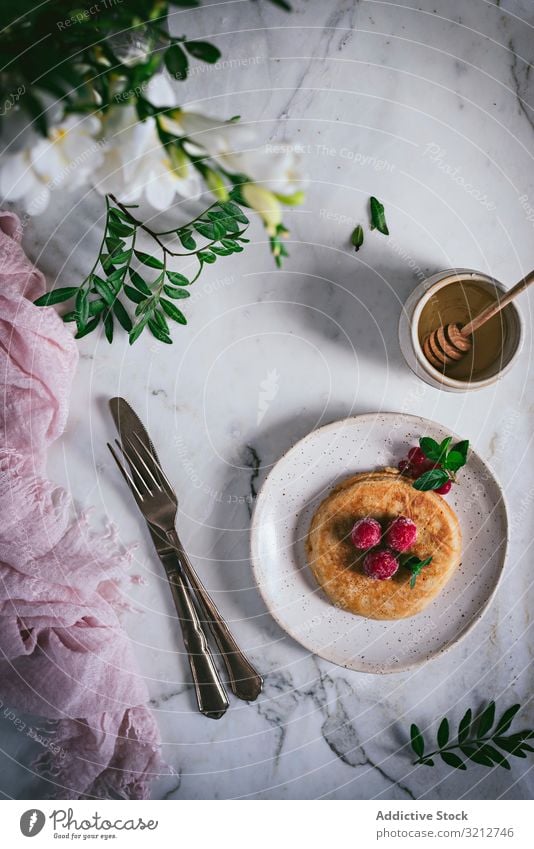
[{"x": 244, "y": 680}]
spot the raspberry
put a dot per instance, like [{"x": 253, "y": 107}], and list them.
[
  {"x": 401, "y": 534},
  {"x": 417, "y": 456},
  {"x": 366, "y": 533},
  {"x": 405, "y": 467},
  {"x": 443, "y": 490},
  {"x": 380, "y": 564}
]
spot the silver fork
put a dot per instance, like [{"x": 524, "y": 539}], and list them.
[
  {"x": 159, "y": 510},
  {"x": 243, "y": 678}
]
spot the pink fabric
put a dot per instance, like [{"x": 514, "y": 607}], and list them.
[{"x": 63, "y": 654}]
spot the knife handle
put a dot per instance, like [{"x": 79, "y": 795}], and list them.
[
  {"x": 209, "y": 689},
  {"x": 244, "y": 680}
]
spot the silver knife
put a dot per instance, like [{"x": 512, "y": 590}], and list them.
[{"x": 244, "y": 680}]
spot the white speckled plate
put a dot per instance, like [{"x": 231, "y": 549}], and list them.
[{"x": 286, "y": 503}]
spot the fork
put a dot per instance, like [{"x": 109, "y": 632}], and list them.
[
  {"x": 153, "y": 502},
  {"x": 244, "y": 680}
]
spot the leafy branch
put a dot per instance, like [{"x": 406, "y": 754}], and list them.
[
  {"x": 474, "y": 740},
  {"x": 113, "y": 276},
  {"x": 446, "y": 461}
]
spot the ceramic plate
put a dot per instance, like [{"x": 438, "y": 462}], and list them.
[{"x": 286, "y": 503}]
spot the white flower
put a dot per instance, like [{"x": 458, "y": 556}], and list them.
[
  {"x": 67, "y": 156},
  {"x": 209, "y": 135},
  {"x": 280, "y": 172},
  {"x": 135, "y": 162}
]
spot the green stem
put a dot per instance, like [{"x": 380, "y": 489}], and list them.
[
  {"x": 102, "y": 243},
  {"x": 478, "y": 742}
]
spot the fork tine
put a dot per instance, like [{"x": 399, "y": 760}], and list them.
[
  {"x": 141, "y": 484},
  {"x": 149, "y": 471},
  {"x": 127, "y": 477},
  {"x": 156, "y": 463}
]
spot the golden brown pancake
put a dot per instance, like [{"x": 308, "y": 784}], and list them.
[{"x": 337, "y": 564}]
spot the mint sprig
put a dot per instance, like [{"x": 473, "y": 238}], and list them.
[
  {"x": 416, "y": 566},
  {"x": 474, "y": 741},
  {"x": 448, "y": 461}
]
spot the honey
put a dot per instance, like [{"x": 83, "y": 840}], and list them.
[{"x": 458, "y": 303}]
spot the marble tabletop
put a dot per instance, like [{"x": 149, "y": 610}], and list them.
[{"x": 427, "y": 104}]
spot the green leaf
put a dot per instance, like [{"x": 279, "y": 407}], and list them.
[
  {"x": 203, "y": 50},
  {"x": 120, "y": 258},
  {"x": 452, "y": 760},
  {"x": 475, "y": 756},
  {"x": 506, "y": 719},
  {"x": 454, "y": 461},
  {"x": 221, "y": 251},
  {"x": 234, "y": 211},
  {"x": 160, "y": 334},
  {"x": 89, "y": 327},
  {"x": 514, "y": 747},
  {"x": 443, "y": 733},
  {"x": 378, "y": 217},
  {"x": 282, "y": 4},
  {"x": 147, "y": 259},
  {"x": 81, "y": 308},
  {"x": 463, "y": 728},
  {"x": 176, "y": 61},
  {"x": 176, "y": 294},
  {"x": 56, "y": 296},
  {"x": 103, "y": 289},
  {"x": 108, "y": 326},
  {"x": 38, "y": 112},
  {"x": 429, "y": 447},
  {"x": 432, "y": 479},
  {"x": 137, "y": 329},
  {"x": 463, "y": 448},
  {"x": 117, "y": 228},
  {"x": 444, "y": 445},
  {"x": 417, "y": 741},
  {"x": 428, "y": 762},
  {"x": 177, "y": 279},
  {"x": 492, "y": 753},
  {"x": 356, "y": 238},
  {"x": 134, "y": 295},
  {"x": 187, "y": 240},
  {"x": 113, "y": 244},
  {"x": 122, "y": 316},
  {"x": 161, "y": 321},
  {"x": 485, "y": 720},
  {"x": 173, "y": 312},
  {"x": 206, "y": 256},
  {"x": 138, "y": 282}
]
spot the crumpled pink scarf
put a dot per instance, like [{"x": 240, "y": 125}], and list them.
[{"x": 63, "y": 654}]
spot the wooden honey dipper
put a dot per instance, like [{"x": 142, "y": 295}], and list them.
[{"x": 450, "y": 343}]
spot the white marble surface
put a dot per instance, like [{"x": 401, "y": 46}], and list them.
[{"x": 427, "y": 105}]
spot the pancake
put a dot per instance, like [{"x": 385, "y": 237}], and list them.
[{"x": 337, "y": 564}]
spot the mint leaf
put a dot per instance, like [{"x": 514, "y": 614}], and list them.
[
  {"x": 430, "y": 448},
  {"x": 415, "y": 565},
  {"x": 433, "y": 479}
]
